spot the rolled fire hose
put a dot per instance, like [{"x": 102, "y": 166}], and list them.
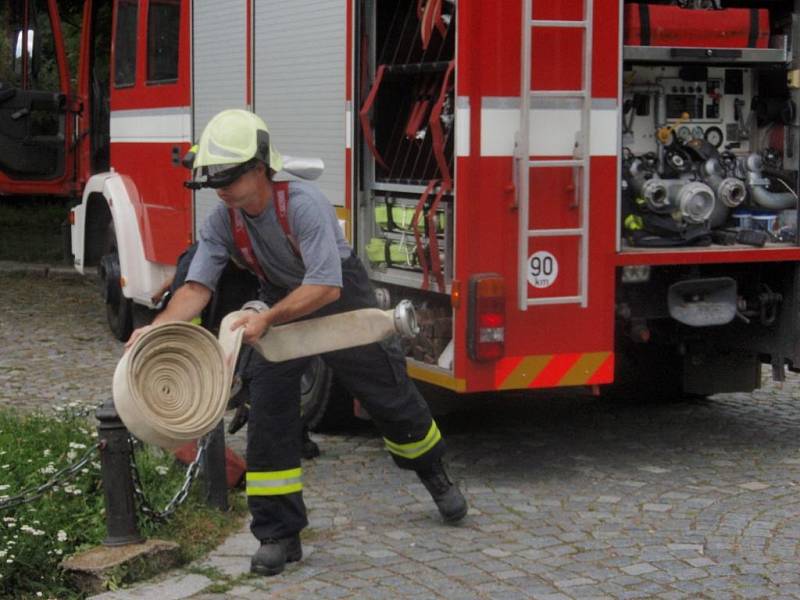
[{"x": 172, "y": 386}]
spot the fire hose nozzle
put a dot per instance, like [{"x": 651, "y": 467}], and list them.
[
  {"x": 256, "y": 306},
  {"x": 405, "y": 319}
]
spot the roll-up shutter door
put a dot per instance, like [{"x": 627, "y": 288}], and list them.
[{"x": 299, "y": 83}]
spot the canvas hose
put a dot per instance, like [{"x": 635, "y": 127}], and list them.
[{"x": 172, "y": 386}]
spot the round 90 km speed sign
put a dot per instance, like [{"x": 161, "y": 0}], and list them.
[{"x": 542, "y": 269}]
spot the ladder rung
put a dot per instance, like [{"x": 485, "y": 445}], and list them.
[
  {"x": 575, "y": 162},
  {"x": 555, "y": 300},
  {"x": 555, "y": 232},
  {"x": 557, "y": 23},
  {"x": 558, "y": 93}
]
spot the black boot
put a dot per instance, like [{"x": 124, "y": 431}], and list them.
[
  {"x": 451, "y": 502},
  {"x": 272, "y": 556}
]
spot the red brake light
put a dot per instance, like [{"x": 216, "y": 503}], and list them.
[{"x": 487, "y": 317}]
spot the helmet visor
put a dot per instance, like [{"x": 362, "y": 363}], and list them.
[{"x": 219, "y": 176}]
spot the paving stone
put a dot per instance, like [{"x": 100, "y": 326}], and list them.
[
  {"x": 656, "y": 507},
  {"x": 654, "y": 469},
  {"x": 496, "y": 552},
  {"x": 639, "y": 569},
  {"x": 578, "y": 581},
  {"x": 609, "y": 499},
  {"x": 182, "y": 586},
  {"x": 686, "y": 547}
]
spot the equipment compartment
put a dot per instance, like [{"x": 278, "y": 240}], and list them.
[
  {"x": 404, "y": 95},
  {"x": 709, "y": 150},
  {"x": 406, "y": 115}
]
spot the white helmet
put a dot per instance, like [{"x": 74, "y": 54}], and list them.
[{"x": 233, "y": 142}]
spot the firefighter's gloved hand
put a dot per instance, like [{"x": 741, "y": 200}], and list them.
[{"x": 255, "y": 326}]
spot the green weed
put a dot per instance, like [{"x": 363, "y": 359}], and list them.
[{"x": 37, "y": 536}]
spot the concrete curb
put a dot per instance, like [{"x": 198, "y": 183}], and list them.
[{"x": 43, "y": 269}]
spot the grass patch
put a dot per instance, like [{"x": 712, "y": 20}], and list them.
[
  {"x": 31, "y": 229},
  {"x": 36, "y": 537}
]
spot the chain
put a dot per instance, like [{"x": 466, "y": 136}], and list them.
[
  {"x": 59, "y": 477},
  {"x": 179, "y": 498}
]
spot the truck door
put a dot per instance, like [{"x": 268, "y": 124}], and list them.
[
  {"x": 150, "y": 125},
  {"x": 35, "y": 128}
]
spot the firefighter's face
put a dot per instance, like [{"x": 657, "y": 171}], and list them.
[{"x": 245, "y": 190}]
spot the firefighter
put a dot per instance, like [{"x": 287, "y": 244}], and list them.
[{"x": 307, "y": 269}]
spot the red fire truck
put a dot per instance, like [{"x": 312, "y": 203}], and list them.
[
  {"x": 572, "y": 192},
  {"x": 41, "y": 113}
]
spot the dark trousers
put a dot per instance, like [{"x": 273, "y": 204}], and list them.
[{"x": 375, "y": 374}]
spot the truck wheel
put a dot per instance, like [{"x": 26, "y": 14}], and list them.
[
  {"x": 118, "y": 307},
  {"x": 141, "y": 315},
  {"x": 324, "y": 405}
]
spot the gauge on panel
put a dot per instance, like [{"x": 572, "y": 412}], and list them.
[
  {"x": 714, "y": 136},
  {"x": 684, "y": 134}
]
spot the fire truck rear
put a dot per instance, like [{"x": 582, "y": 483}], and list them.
[{"x": 572, "y": 193}]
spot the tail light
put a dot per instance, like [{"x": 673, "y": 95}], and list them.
[{"x": 487, "y": 317}]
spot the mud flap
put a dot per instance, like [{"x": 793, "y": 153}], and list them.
[{"x": 715, "y": 372}]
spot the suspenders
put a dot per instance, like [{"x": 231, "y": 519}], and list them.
[{"x": 241, "y": 238}]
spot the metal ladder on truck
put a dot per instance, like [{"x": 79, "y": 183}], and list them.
[{"x": 579, "y": 162}]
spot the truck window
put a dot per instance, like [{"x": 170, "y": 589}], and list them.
[
  {"x": 27, "y": 51},
  {"x": 125, "y": 43},
  {"x": 163, "y": 27}
]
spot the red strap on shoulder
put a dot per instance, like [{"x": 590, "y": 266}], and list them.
[
  {"x": 243, "y": 244},
  {"x": 280, "y": 196},
  {"x": 241, "y": 237}
]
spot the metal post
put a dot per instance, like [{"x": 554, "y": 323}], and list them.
[
  {"x": 215, "y": 477},
  {"x": 115, "y": 461}
]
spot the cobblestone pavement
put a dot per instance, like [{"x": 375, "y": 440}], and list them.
[
  {"x": 55, "y": 347},
  {"x": 572, "y": 496}
]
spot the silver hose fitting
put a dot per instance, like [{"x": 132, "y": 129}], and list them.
[
  {"x": 656, "y": 195},
  {"x": 256, "y": 306},
  {"x": 405, "y": 319},
  {"x": 650, "y": 187},
  {"x": 731, "y": 192},
  {"x": 695, "y": 201}
]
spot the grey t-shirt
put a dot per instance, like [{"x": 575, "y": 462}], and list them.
[{"x": 314, "y": 225}]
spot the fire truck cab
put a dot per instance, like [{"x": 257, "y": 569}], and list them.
[{"x": 571, "y": 193}]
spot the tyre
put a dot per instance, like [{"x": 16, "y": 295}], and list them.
[
  {"x": 324, "y": 404},
  {"x": 118, "y": 307},
  {"x": 141, "y": 315}
]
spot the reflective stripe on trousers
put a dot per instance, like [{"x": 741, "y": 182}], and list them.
[
  {"x": 274, "y": 483},
  {"x": 414, "y": 450}
]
